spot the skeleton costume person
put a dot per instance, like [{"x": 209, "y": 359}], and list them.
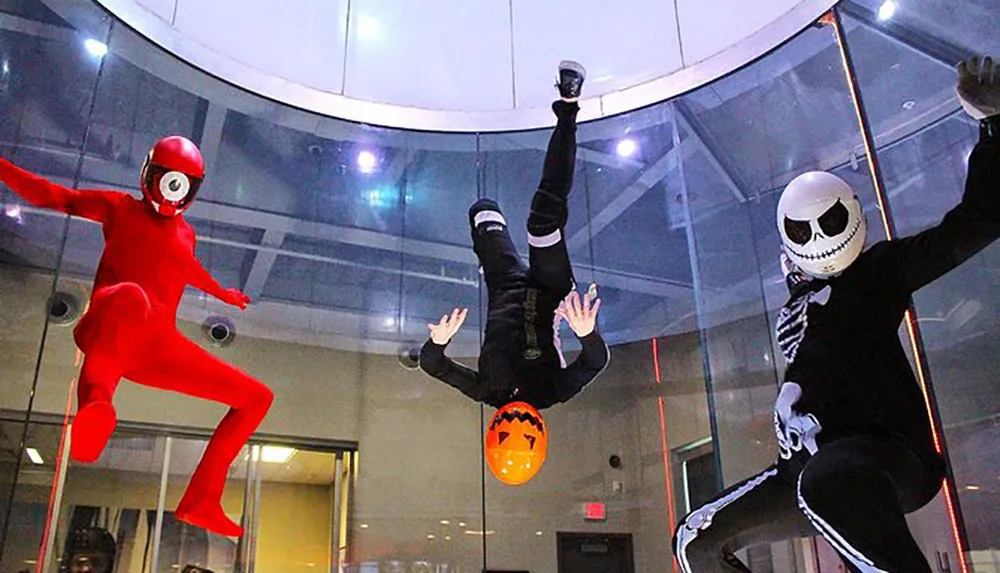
[
  {"x": 520, "y": 360},
  {"x": 856, "y": 450}
]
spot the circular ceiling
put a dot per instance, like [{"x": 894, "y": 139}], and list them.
[{"x": 453, "y": 65}]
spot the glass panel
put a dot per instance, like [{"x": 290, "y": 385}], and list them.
[
  {"x": 112, "y": 500},
  {"x": 297, "y": 513},
  {"x": 924, "y": 142},
  {"x": 29, "y": 510},
  {"x": 182, "y": 544},
  {"x": 750, "y": 133}
]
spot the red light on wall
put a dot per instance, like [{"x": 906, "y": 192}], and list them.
[{"x": 594, "y": 512}]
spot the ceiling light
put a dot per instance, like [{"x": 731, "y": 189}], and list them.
[
  {"x": 12, "y": 211},
  {"x": 276, "y": 454},
  {"x": 367, "y": 28},
  {"x": 367, "y": 162},
  {"x": 461, "y": 524},
  {"x": 886, "y": 10},
  {"x": 445, "y": 522},
  {"x": 626, "y": 148},
  {"x": 972, "y": 487},
  {"x": 430, "y": 536},
  {"x": 96, "y": 49},
  {"x": 364, "y": 526},
  {"x": 36, "y": 457}
]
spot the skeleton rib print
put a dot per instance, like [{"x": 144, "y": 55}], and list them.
[{"x": 791, "y": 327}]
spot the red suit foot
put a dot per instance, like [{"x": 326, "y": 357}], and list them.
[
  {"x": 207, "y": 515},
  {"x": 92, "y": 428}
]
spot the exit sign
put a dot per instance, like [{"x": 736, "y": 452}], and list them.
[{"x": 594, "y": 512}]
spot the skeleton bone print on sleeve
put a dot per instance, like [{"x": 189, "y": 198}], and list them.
[{"x": 795, "y": 431}]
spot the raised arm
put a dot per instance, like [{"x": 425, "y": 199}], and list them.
[
  {"x": 460, "y": 377},
  {"x": 434, "y": 362},
  {"x": 974, "y": 223},
  {"x": 593, "y": 359},
  {"x": 968, "y": 228},
  {"x": 94, "y": 205}
]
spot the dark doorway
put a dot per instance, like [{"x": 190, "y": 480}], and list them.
[{"x": 595, "y": 552}]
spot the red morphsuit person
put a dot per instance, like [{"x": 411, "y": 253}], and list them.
[{"x": 130, "y": 328}]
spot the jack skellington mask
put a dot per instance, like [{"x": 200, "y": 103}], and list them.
[{"x": 822, "y": 224}]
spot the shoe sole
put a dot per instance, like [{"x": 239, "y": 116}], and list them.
[{"x": 574, "y": 66}]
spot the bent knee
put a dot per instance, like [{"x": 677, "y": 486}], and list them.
[
  {"x": 123, "y": 300},
  {"x": 261, "y": 396},
  {"x": 695, "y": 545},
  {"x": 486, "y": 211}
]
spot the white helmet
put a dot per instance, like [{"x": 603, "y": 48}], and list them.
[{"x": 822, "y": 224}]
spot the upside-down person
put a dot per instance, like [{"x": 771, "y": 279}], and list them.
[{"x": 520, "y": 360}]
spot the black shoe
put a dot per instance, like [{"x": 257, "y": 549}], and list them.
[{"x": 571, "y": 76}]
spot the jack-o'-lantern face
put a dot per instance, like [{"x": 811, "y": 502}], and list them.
[{"x": 516, "y": 442}]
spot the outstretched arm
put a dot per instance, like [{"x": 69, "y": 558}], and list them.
[
  {"x": 434, "y": 362},
  {"x": 975, "y": 222},
  {"x": 94, "y": 205},
  {"x": 593, "y": 359},
  {"x": 460, "y": 377},
  {"x": 199, "y": 277}
]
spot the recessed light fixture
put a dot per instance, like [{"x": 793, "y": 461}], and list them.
[
  {"x": 36, "y": 458},
  {"x": 886, "y": 10},
  {"x": 95, "y": 48}
]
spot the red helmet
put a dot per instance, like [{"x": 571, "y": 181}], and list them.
[{"x": 172, "y": 174}]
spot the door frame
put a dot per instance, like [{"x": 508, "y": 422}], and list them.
[{"x": 562, "y": 536}]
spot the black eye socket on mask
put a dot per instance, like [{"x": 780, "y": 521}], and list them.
[
  {"x": 834, "y": 221},
  {"x": 798, "y": 232},
  {"x": 531, "y": 441},
  {"x": 503, "y": 436}
]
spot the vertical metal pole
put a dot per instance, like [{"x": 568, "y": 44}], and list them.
[
  {"x": 254, "y": 512},
  {"x": 699, "y": 306},
  {"x": 160, "y": 504},
  {"x": 53, "y": 524},
  {"x": 345, "y": 494},
  {"x": 338, "y": 476},
  {"x": 961, "y": 539}
]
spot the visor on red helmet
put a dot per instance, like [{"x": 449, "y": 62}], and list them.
[{"x": 172, "y": 175}]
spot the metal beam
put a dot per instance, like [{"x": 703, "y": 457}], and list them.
[
  {"x": 689, "y": 123},
  {"x": 645, "y": 181},
  {"x": 262, "y": 262}
]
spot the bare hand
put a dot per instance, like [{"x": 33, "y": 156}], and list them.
[
  {"x": 445, "y": 329},
  {"x": 235, "y": 297},
  {"x": 581, "y": 315},
  {"x": 979, "y": 87}
]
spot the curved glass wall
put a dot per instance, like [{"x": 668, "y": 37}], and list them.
[{"x": 381, "y": 467}]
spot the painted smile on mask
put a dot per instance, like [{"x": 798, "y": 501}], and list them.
[{"x": 831, "y": 252}]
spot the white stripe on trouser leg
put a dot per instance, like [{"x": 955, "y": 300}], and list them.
[
  {"x": 488, "y": 217},
  {"x": 545, "y": 241},
  {"x": 701, "y": 518},
  {"x": 864, "y": 564}
]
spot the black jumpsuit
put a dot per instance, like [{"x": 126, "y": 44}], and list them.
[
  {"x": 519, "y": 360},
  {"x": 856, "y": 452}
]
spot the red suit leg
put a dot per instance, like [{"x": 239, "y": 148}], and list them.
[
  {"x": 172, "y": 362},
  {"x": 107, "y": 335}
]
